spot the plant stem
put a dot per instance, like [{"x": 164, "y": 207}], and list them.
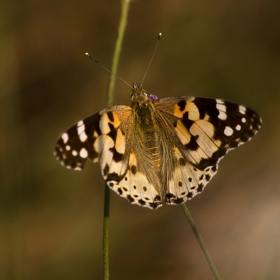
[
  {"x": 200, "y": 241},
  {"x": 106, "y": 274},
  {"x": 110, "y": 94},
  {"x": 117, "y": 51}
]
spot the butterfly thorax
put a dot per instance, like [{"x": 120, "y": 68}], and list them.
[{"x": 145, "y": 124}]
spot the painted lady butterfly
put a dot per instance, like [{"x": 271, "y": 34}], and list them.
[{"x": 158, "y": 149}]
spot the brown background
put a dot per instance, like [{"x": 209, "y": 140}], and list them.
[{"x": 51, "y": 218}]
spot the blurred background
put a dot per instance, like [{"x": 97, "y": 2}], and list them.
[{"x": 51, "y": 218}]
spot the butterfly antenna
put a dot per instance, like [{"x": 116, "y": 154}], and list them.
[
  {"x": 88, "y": 55},
  {"x": 159, "y": 36}
]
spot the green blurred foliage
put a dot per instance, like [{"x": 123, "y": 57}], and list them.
[{"x": 51, "y": 218}]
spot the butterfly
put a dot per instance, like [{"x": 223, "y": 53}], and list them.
[{"x": 158, "y": 150}]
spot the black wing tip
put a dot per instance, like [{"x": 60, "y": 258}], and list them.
[{"x": 67, "y": 160}]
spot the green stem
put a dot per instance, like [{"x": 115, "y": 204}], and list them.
[
  {"x": 106, "y": 274},
  {"x": 117, "y": 51},
  {"x": 110, "y": 94},
  {"x": 200, "y": 241}
]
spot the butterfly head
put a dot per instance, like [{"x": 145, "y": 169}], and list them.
[
  {"x": 140, "y": 96},
  {"x": 138, "y": 92}
]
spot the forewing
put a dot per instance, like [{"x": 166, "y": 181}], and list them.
[{"x": 95, "y": 138}]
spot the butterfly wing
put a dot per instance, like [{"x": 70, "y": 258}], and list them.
[
  {"x": 201, "y": 131},
  {"x": 136, "y": 185},
  {"x": 111, "y": 138},
  {"x": 132, "y": 176},
  {"x": 74, "y": 146},
  {"x": 98, "y": 138}
]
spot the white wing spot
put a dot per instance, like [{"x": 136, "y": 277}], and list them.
[
  {"x": 74, "y": 153},
  {"x": 243, "y": 120},
  {"x": 65, "y": 137},
  {"x": 242, "y": 110},
  {"x": 228, "y": 131},
  {"x": 220, "y": 101},
  {"x": 222, "y": 109},
  {"x": 80, "y": 127},
  {"x": 81, "y": 131},
  {"x": 68, "y": 148},
  {"x": 83, "y": 153},
  {"x": 222, "y": 115},
  {"x": 238, "y": 127},
  {"x": 83, "y": 137}
]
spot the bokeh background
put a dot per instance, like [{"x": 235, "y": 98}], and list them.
[{"x": 51, "y": 218}]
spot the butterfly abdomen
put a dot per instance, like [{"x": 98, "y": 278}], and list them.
[{"x": 152, "y": 149}]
